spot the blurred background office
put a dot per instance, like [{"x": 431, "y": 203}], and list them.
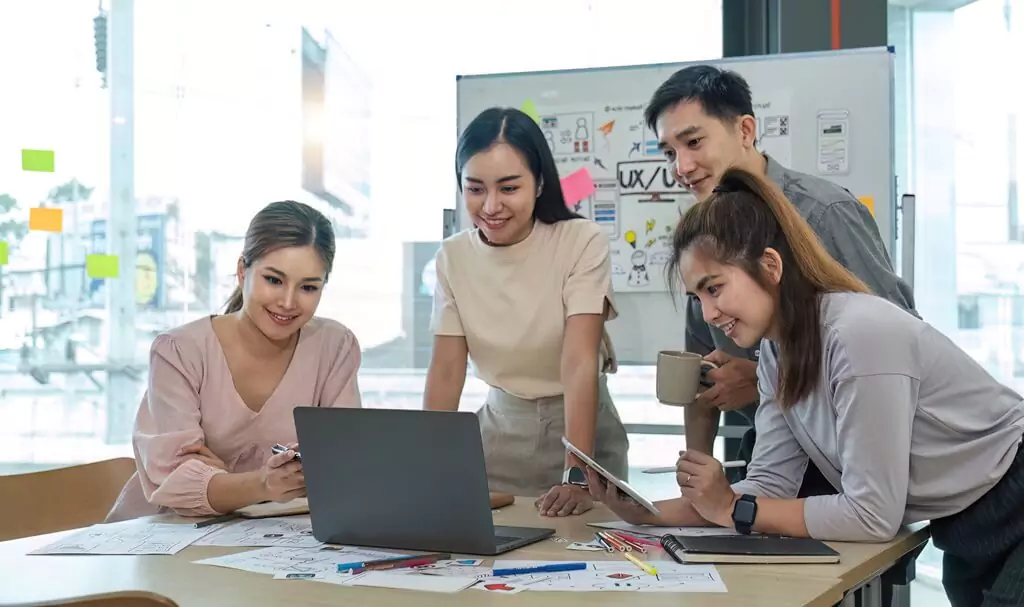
[{"x": 350, "y": 106}]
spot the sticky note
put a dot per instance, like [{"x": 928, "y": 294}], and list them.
[
  {"x": 46, "y": 220},
  {"x": 37, "y": 160},
  {"x": 102, "y": 266},
  {"x": 530, "y": 110},
  {"x": 3, "y": 253},
  {"x": 577, "y": 186},
  {"x": 869, "y": 202}
]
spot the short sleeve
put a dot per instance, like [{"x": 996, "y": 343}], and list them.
[
  {"x": 444, "y": 319},
  {"x": 341, "y": 387},
  {"x": 589, "y": 283},
  {"x": 169, "y": 419}
]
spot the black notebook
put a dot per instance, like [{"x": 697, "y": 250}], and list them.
[{"x": 747, "y": 549}]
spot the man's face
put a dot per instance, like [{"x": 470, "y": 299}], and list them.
[{"x": 700, "y": 147}]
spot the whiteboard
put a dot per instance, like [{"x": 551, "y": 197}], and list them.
[{"x": 828, "y": 114}]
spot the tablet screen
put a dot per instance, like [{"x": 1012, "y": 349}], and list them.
[{"x": 611, "y": 478}]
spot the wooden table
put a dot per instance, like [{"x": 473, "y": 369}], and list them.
[{"x": 26, "y": 578}]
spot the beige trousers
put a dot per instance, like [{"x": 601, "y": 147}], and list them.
[{"x": 523, "y": 441}]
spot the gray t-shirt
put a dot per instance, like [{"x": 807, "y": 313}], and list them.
[
  {"x": 906, "y": 424},
  {"x": 850, "y": 235}
]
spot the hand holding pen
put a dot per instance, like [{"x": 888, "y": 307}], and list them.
[{"x": 281, "y": 476}]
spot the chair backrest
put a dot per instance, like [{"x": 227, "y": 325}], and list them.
[
  {"x": 130, "y": 598},
  {"x": 60, "y": 499}
]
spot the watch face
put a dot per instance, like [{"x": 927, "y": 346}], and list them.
[
  {"x": 577, "y": 476},
  {"x": 744, "y": 511}
]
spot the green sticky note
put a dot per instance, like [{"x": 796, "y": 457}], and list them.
[
  {"x": 530, "y": 110},
  {"x": 102, "y": 266},
  {"x": 3, "y": 253},
  {"x": 37, "y": 160}
]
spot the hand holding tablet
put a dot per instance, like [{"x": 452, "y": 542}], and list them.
[{"x": 611, "y": 478}]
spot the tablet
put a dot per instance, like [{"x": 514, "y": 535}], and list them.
[{"x": 608, "y": 476}]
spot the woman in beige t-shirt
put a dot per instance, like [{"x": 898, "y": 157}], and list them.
[{"x": 525, "y": 295}]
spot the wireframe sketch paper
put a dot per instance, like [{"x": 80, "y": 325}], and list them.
[
  {"x": 275, "y": 560},
  {"x": 296, "y": 532},
  {"x": 611, "y": 576},
  {"x": 652, "y": 531},
  {"x": 127, "y": 538}
]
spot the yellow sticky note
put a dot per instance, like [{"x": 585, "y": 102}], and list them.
[
  {"x": 530, "y": 110},
  {"x": 3, "y": 253},
  {"x": 46, "y": 220},
  {"x": 37, "y": 160},
  {"x": 102, "y": 266},
  {"x": 869, "y": 202}
]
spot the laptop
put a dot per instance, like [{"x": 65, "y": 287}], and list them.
[{"x": 406, "y": 479}]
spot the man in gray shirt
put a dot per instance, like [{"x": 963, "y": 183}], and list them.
[{"x": 704, "y": 118}]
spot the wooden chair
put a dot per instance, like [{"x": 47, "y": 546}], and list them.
[
  {"x": 129, "y": 598},
  {"x": 60, "y": 499}
]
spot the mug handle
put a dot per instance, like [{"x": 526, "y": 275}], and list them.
[{"x": 705, "y": 366}]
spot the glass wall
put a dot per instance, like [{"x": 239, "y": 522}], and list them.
[
  {"x": 348, "y": 106},
  {"x": 958, "y": 119}
]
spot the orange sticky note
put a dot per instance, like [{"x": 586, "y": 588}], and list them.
[
  {"x": 46, "y": 220},
  {"x": 869, "y": 202},
  {"x": 3, "y": 253},
  {"x": 102, "y": 266}
]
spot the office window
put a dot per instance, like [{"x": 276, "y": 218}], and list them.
[{"x": 237, "y": 104}]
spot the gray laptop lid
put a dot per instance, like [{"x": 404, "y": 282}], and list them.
[{"x": 396, "y": 478}]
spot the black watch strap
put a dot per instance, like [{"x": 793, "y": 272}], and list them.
[{"x": 744, "y": 513}]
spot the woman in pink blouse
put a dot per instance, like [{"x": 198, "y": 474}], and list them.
[{"x": 222, "y": 389}]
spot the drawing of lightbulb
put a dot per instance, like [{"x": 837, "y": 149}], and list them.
[
  {"x": 650, "y": 226},
  {"x": 631, "y": 238}
]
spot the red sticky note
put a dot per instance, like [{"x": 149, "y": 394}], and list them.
[{"x": 577, "y": 186}]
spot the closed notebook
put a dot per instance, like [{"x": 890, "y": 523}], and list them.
[{"x": 747, "y": 549}]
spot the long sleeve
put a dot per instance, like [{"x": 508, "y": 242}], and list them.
[
  {"x": 875, "y": 414},
  {"x": 853, "y": 240},
  {"x": 778, "y": 463},
  {"x": 341, "y": 388},
  {"x": 169, "y": 419}
]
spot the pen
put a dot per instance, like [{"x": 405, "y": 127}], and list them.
[
  {"x": 738, "y": 463},
  {"x": 230, "y": 516},
  {"x": 408, "y": 560},
  {"x": 615, "y": 542},
  {"x": 553, "y": 568},
  {"x": 604, "y": 542},
  {"x": 279, "y": 448},
  {"x": 647, "y": 568}
]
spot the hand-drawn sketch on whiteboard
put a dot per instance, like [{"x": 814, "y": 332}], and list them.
[
  {"x": 834, "y": 142},
  {"x": 569, "y": 133},
  {"x": 772, "y": 112}
]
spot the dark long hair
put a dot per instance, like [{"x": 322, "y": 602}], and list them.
[
  {"x": 745, "y": 215},
  {"x": 284, "y": 224},
  {"x": 511, "y": 126}
]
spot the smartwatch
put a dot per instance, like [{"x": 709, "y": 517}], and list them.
[
  {"x": 744, "y": 513},
  {"x": 575, "y": 476}
]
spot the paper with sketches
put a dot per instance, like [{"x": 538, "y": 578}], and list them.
[
  {"x": 412, "y": 581},
  {"x": 294, "y": 532},
  {"x": 834, "y": 142},
  {"x": 620, "y": 576},
  {"x": 276, "y": 560},
  {"x": 652, "y": 531},
  {"x": 126, "y": 538}
]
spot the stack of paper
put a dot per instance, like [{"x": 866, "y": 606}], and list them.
[{"x": 127, "y": 538}]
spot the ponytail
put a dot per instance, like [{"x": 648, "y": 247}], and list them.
[
  {"x": 234, "y": 302},
  {"x": 745, "y": 216}
]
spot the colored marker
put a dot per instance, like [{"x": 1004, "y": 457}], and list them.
[{"x": 552, "y": 568}]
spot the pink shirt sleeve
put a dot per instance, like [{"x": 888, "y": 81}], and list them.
[
  {"x": 167, "y": 420},
  {"x": 341, "y": 388}
]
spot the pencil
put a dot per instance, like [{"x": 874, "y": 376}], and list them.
[
  {"x": 607, "y": 545},
  {"x": 628, "y": 541},
  {"x": 616, "y": 542},
  {"x": 230, "y": 516},
  {"x": 635, "y": 539},
  {"x": 646, "y": 568}
]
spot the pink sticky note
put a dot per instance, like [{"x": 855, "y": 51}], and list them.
[{"x": 577, "y": 186}]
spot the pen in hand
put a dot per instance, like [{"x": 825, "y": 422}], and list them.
[
  {"x": 667, "y": 469},
  {"x": 279, "y": 448}
]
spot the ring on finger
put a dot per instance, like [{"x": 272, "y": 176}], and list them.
[{"x": 688, "y": 477}]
